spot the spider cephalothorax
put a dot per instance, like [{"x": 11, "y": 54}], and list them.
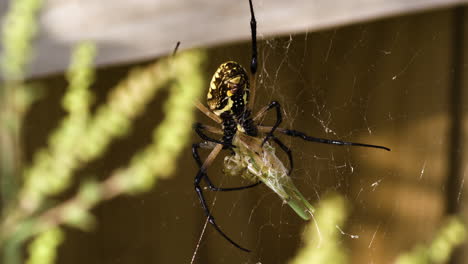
[{"x": 229, "y": 90}]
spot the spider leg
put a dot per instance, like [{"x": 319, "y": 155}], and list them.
[
  {"x": 217, "y": 189},
  {"x": 211, "y": 129},
  {"x": 207, "y": 112},
  {"x": 279, "y": 118},
  {"x": 254, "y": 61},
  {"x": 176, "y": 48},
  {"x": 212, "y": 187},
  {"x": 198, "y": 127},
  {"x": 295, "y": 133},
  {"x": 287, "y": 151},
  {"x": 253, "y": 29},
  {"x": 200, "y": 175}
]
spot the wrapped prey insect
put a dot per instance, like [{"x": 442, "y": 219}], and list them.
[{"x": 253, "y": 162}]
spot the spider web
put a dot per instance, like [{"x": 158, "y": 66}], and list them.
[{"x": 377, "y": 83}]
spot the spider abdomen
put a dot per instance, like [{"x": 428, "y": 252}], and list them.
[
  {"x": 229, "y": 89},
  {"x": 229, "y": 127},
  {"x": 247, "y": 124}
]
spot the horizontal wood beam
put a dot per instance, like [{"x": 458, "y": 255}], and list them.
[{"x": 127, "y": 31}]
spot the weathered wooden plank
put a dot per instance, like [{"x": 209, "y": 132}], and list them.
[{"x": 140, "y": 29}]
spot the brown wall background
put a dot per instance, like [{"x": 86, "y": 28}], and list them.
[{"x": 391, "y": 82}]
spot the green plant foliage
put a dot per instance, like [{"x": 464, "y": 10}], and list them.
[
  {"x": 19, "y": 29},
  {"x": 52, "y": 168},
  {"x": 43, "y": 249},
  {"x": 158, "y": 159},
  {"x": 322, "y": 237},
  {"x": 451, "y": 235},
  {"x": 82, "y": 137}
]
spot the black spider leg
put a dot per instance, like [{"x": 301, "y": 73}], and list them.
[
  {"x": 200, "y": 175},
  {"x": 253, "y": 29},
  {"x": 211, "y": 186},
  {"x": 198, "y": 127},
  {"x": 287, "y": 151},
  {"x": 294, "y": 133},
  {"x": 176, "y": 48},
  {"x": 279, "y": 119}
]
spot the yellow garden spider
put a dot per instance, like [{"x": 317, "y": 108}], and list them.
[{"x": 230, "y": 99}]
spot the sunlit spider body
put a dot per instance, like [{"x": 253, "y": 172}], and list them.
[{"x": 230, "y": 99}]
